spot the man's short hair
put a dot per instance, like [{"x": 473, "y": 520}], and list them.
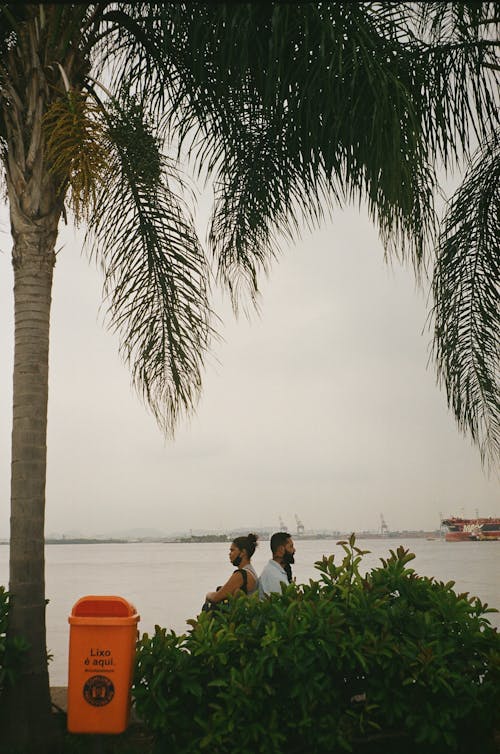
[{"x": 279, "y": 538}]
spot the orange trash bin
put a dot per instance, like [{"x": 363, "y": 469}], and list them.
[{"x": 102, "y": 640}]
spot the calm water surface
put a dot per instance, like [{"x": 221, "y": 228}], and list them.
[{"x": 167, "y": 582}]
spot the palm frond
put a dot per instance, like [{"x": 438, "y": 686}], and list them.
[
  {"x": 466, "y": 292},
  {"x": 323, "y": 106},
  {"x": 156, "y": 273},
  {"x": 288, "y": 107},
  {"x": 460, "y": 48}
]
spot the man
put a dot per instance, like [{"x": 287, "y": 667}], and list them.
[{"x": 279, "y": 570}]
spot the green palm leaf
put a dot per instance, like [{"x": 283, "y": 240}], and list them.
[
  {"x": 156, "y": 273},
  {"x": 460, "y": 60},
  {"x": 466, "y": 288},
  {"x": 303, "y": 104}
]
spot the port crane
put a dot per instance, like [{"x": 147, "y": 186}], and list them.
[
  {"x": 384, "y": 529},
  {"x": 300, "y": 526}
]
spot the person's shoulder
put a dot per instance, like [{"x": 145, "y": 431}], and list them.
[
  {"x": 272, "y": 573},
  {"x": 269, "y": 565}
]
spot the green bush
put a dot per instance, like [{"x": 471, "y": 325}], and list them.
[
  {"x": 11, "y": 652},
  {"x": 327, "y": 666}
]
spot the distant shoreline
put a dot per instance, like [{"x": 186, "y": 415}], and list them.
[{"x": 210, "y": 538}]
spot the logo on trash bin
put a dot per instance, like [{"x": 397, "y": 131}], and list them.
[{"x": 98, "y": 691}]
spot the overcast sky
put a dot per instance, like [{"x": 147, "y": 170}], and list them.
[{"x": 323, "y": 406}]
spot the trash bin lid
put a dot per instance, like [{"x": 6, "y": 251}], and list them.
[{"x": 99, "y": 606}]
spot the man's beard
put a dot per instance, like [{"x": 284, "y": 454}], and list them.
[{"x": 288, "y": 559}]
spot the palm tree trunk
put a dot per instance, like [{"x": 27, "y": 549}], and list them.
[
  {"x": 27, "y": 703},
  {"x": 26, "y": 722}
]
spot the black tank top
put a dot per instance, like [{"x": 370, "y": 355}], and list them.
[{"x": 244, "y": 587}]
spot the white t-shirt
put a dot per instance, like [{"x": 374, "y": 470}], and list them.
[{"x": 271, "y": 578}]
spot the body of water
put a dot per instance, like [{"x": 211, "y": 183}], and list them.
[{"x": 167, "y": 583}]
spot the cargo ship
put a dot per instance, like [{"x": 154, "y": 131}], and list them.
[{"x": 471, "y": 529}]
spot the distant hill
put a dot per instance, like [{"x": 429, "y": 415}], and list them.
[{"x": 124, "y": 535}]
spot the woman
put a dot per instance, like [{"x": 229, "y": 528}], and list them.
[{"x": 245, "y": 577}]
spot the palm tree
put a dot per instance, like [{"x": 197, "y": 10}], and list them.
[{"x": 287, "y": 109}]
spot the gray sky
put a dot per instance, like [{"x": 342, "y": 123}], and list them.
[{"x": 323, "y": 406}]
